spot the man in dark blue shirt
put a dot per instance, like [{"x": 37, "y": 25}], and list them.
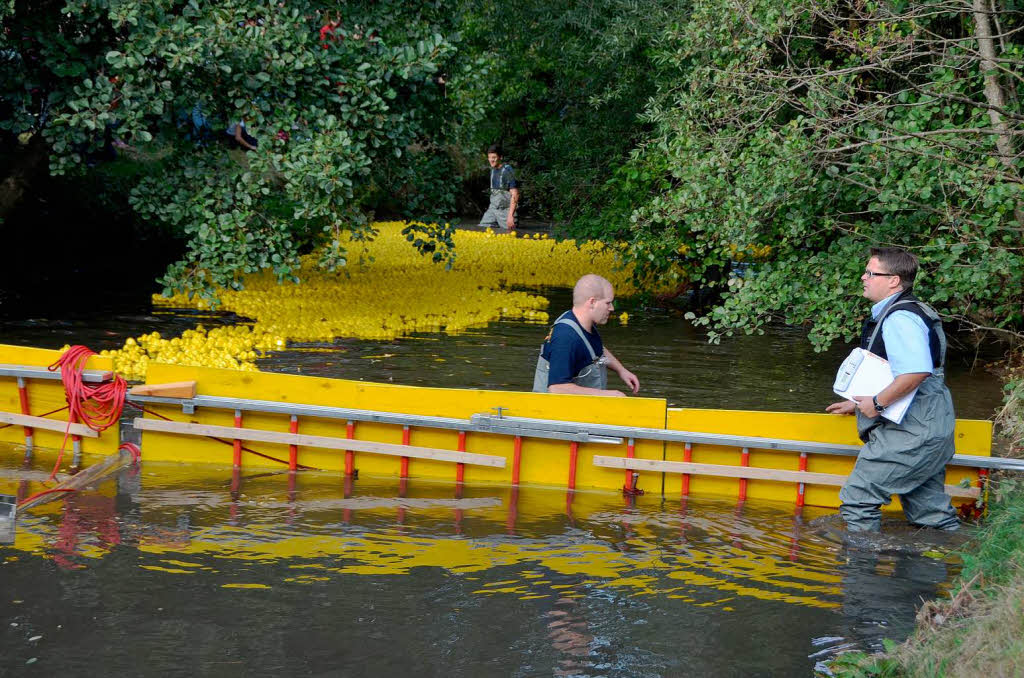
[
  {"x": 573, "y": 358},
  {"x": 504, "y": 190}
]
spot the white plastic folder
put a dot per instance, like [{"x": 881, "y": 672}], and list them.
[{"x": 865, "y": 374}]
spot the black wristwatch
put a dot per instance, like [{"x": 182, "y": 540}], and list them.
[{"x": 878, "y": 407}]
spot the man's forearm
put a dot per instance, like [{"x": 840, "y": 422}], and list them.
[
  {"x": 901, "y": 386},
  {"x": 514, "y": 201},
  {"x": 613, "y": 363}
]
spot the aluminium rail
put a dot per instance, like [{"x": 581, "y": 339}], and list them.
[
  {"x": 544, "y": 428},
  {"x": 33, "y": 372},
  {"x": 524, "y": 426},
  {"x": 189, "y": 405}
]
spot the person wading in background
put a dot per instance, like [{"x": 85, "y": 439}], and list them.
[
  {"x": 906, "y": 459},
  {"x": 501, "y": 212},
  {"x": 573, "y": 359}
]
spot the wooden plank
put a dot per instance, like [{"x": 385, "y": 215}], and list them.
[
  {"x": 323, "y": 442},
  {"x": 750, "y": 472},
  {"x": 47, "y": 424},
  {"x": 176, "y": 389}
]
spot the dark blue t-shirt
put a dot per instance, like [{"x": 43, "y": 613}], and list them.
[
  {"x": 503, "y": 178},
  {"x": 565, "y": 351}
]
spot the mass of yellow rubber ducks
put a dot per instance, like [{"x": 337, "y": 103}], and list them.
[{"x": 388, "y": 290}]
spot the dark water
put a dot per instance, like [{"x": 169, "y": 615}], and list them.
[
  {"x": 778, "y": 371},
  {"x": 167, "y": 570}
]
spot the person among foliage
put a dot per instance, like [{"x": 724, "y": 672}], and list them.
[{"x": 504, "y": 192}]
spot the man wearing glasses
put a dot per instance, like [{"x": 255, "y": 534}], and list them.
[{"x": 906, "y": 459}]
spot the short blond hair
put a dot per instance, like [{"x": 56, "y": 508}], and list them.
[{"x": 590, "y": 285}]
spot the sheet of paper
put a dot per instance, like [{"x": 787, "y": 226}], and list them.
[{"x": 866, "y": 374}]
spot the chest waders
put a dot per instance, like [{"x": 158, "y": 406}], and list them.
[
  {"x": 906, "y": 459},
  {"x": 937, "y": 344},
  {"x": 500, "y": 200},
  {"x": 593, "y": 375}
]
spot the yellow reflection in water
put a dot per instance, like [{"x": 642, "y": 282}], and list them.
[{"x": 188, "y": 522}]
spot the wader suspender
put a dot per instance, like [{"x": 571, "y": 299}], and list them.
[
  {"x": 588, "y": 376},
  {"x": 928, "y": 311},
  {"x": 579, "y": 331}
]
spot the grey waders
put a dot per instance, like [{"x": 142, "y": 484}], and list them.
[{"x": 496, "y": 215}]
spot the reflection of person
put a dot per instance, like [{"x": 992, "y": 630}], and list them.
[
  {"x": 907, "y": 459},
  {"x": 881, "y": 593},
  {"x": 501, "y": 212},
  {"x": 573, "y": 358}
]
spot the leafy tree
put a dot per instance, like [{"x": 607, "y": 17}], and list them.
[
  {"x": 819, "y": 128},
  {"x": 564, "y": 85},
  {"x": 345, "y": 102}
]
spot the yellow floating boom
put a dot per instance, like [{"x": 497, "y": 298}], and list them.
[
  {"x": 261, "y": 420},
  {"x": 575, "y": 442}
]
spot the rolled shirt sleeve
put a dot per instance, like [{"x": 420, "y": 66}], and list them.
[
  {"x": 508, "y": 178},
  {"x": 906, "y": 343}
]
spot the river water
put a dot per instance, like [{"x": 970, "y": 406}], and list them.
[
  {"x": 167, "y": 571},
  {"x": 177, "y": 570}
]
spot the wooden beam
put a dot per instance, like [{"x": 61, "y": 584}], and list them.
[
  {"x": 750, "y": 472},
  {"x": 323, "y": 442},
  {"x": 176, "y": 389},
  {"x": 47, "y": 424}
]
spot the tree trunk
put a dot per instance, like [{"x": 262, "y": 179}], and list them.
[{"x": 994, "y": 91}]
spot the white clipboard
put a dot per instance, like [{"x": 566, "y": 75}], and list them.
[{"x": 865, "y": 374}]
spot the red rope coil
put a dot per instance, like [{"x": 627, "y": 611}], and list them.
[{"x": 97, "y": 406}]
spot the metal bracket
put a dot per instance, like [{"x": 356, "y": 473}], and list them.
[{"x": 632, "y": 490}]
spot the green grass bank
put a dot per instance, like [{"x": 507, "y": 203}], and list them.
[{"x": 979, "y": 629}]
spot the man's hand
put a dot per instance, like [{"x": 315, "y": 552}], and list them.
[
  {"x": 630, "y": 380},
  {"x": 842, "y": 407},
  {"x": 510, "y": 221},
  {"x": 866, "y": 407}
]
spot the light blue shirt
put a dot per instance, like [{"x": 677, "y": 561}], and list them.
[{"x": 906, "y": 340}]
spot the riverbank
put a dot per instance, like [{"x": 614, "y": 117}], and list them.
[{"x": 979, "y": 629}]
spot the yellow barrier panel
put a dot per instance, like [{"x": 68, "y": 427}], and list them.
[
  {"x": 543, "y": 462},
  {"x": 45, "y": 395},
  {"x": 972, "y": 437}
]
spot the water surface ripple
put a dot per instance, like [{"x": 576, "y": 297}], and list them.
[{"x": 176, "y": 570}]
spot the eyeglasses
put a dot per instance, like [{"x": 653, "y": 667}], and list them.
[{"x": 872, "y": 274}]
